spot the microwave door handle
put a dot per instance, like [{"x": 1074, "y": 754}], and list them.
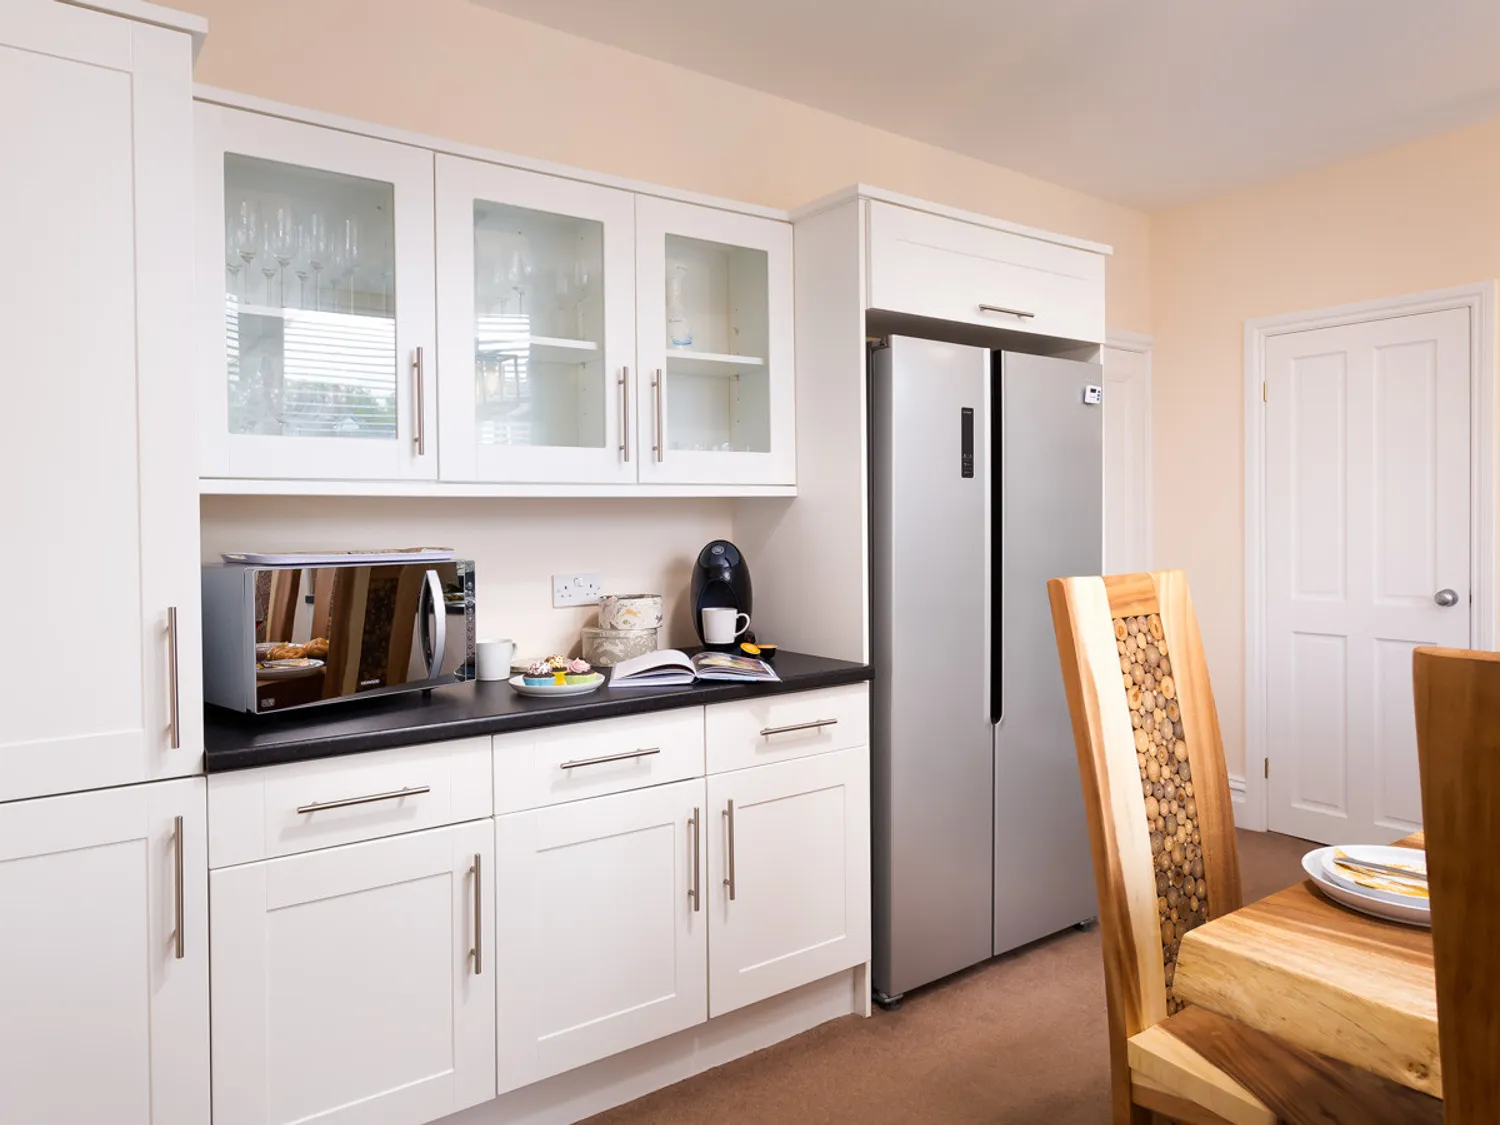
[{"x": 440, "y": 625}]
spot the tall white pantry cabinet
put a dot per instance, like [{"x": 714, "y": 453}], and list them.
[{"x": 103, "y": 895}]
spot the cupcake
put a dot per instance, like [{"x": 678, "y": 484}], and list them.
[
  {"x": 579, "y": 672},
  {"x": 559, "y": 666},
  {"x": 538, "y": 674}
]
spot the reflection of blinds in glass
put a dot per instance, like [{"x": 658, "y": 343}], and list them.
[
  {"x": 340, "y": 375},
  {"x": 502, "y": 349},
  {"x": 307, "y": 373}
]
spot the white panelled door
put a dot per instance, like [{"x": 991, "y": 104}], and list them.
[
  {"x": 346, "y": 987},
  {"x": 96, "y": 132},
  {"x": 787, "y": 883},
  {"x": 103, "y": 1009},
  {"x": 602, "y": 936},
  {"x": 1127, "y": 460},
  {"x": 1367, "y": 556}
]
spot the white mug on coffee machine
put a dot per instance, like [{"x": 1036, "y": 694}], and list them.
[{"x": 722, "y": 625}]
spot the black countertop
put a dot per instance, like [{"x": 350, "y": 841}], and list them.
[{"x": 234, "y": 741}]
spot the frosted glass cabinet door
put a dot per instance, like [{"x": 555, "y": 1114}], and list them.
[
  {"x": 717, "y": 388},
  {"x": 315, "y": 272},
  {"x": 536, "y": 324}
]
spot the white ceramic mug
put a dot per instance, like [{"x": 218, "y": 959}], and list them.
[
  {"x": 721, "y": 625},
  {"x": 492, "y": 659}
]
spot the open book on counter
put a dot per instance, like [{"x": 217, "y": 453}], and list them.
[{"x": 671, "y": 668}]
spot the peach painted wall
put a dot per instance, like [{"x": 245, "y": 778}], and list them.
[
  {"x": 1422, "y": 216},
  {"x": 452, "y": 68}
]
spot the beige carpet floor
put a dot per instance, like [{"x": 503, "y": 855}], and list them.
[{"x": 1020, "y": 1039}]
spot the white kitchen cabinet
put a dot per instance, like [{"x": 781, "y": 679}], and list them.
[
  {"x": 104, "y": 956},
  {"x": 788, "y": 875},
  {"x": 716, "y": 387},
  {"x": 315, "y": 354},
  {"x": 536, "y": 326},
  {"x": 946, "y": 268},
  {"x": 96, "y": 131},
  {"x": 357, "y": 983},
  {"x": 602, "y": 939}
]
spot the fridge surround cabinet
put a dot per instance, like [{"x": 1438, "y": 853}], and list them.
[{"x": 919, "y": 937}]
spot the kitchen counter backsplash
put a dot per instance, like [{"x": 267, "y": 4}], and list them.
[{"x": 516, "y": 544}]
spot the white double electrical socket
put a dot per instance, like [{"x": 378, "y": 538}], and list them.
[{"x": 576, "y": 589}]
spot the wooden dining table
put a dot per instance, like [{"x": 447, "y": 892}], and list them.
[{"x": 1321, "y": 976}]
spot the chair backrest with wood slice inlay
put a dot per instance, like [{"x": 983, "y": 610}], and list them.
[
  {"x": 1155, "y": 786},
  {"x": 1457, "y": 697}
]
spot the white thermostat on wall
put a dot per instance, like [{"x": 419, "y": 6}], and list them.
[{"x": 1092, "y": 395}]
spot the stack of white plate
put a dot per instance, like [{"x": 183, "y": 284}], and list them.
[{"x": 1339, "y": 884}]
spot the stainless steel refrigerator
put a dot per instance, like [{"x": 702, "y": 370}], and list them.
[{"x": 987, "y": 480}]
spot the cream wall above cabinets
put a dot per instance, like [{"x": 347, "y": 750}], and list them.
[{"x": 376, "y": 317}]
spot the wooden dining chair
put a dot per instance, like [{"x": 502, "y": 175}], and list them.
[
  {"x": 1161, "y": 830},
  {"x": 1457, "y": 695}
]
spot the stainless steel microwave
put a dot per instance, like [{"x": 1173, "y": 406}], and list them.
[{"x": 278, "y": 637}]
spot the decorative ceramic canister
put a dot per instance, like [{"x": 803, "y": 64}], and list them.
[
  {"x": 605, "y": 647},
  {"x": 630, "y": 611}
]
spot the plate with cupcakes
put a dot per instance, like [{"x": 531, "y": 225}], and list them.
[{"x": 557, "y": 676}]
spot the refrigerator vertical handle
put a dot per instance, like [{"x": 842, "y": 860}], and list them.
[{"x": 995, "y": 462}]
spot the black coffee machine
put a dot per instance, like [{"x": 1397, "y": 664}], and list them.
[{"x": 721, "y": 577}]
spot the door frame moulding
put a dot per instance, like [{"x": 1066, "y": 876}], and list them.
[
  {"x": 1479, "y": 300},
  {"x": 1142, "y": 344}
]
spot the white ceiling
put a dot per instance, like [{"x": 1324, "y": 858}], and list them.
[{"x": 1146, "y": 102}]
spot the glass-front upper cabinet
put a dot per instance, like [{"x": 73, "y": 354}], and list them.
[
  {"x": 536, "y": 326},
  {"x": 315, "y": 267},
  {"x": 714, "y": 319}
]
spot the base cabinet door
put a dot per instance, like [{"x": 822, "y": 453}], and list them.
[
  {"x": 355, "y": 984},
  {"x": 104, "y": 957},
  {"x": 601, "y": 937},
  {"x": 788, "y": 875}
]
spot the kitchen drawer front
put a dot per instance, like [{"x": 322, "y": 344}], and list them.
[
  {"x": 752, "y": 732},
  {"x": 932, "y": 266},
  {"x": 546, "y": 767},
  {"x": 263, "y": 813}
]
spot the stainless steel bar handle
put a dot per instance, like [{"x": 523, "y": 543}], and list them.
[
  {"x": 729, "y": 819},
  {"x": 816, "y": 724},
  {"x": 625, "y": 414},
  {"x": 174, "y": 702},
  {"x": 1022, "y": 313},
  {"x": 661, "y": 436},
  {"x": 177, "y": 846},
  {"x": 478, "y": 951},
  {"x": 696, "y": 893},
  {"x": 419, "y": 414},
  {"x": 626, "y": 756},
  {"x": 346, "y": 802}
]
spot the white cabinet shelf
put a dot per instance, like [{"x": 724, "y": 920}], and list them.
[
  {"x": 237, "y": 486},
  {"x": 690, "y": 362}
]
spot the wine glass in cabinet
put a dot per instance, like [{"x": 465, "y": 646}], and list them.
[
  {"x": 326, "y": 375},
  {"x": 717, "y": 386},
  {"x": 536, "y": 325}
]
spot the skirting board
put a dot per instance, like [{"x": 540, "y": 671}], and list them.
[
  {"x": 576, "y": 1094},
  {"x": 1237, "y": 798}
]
